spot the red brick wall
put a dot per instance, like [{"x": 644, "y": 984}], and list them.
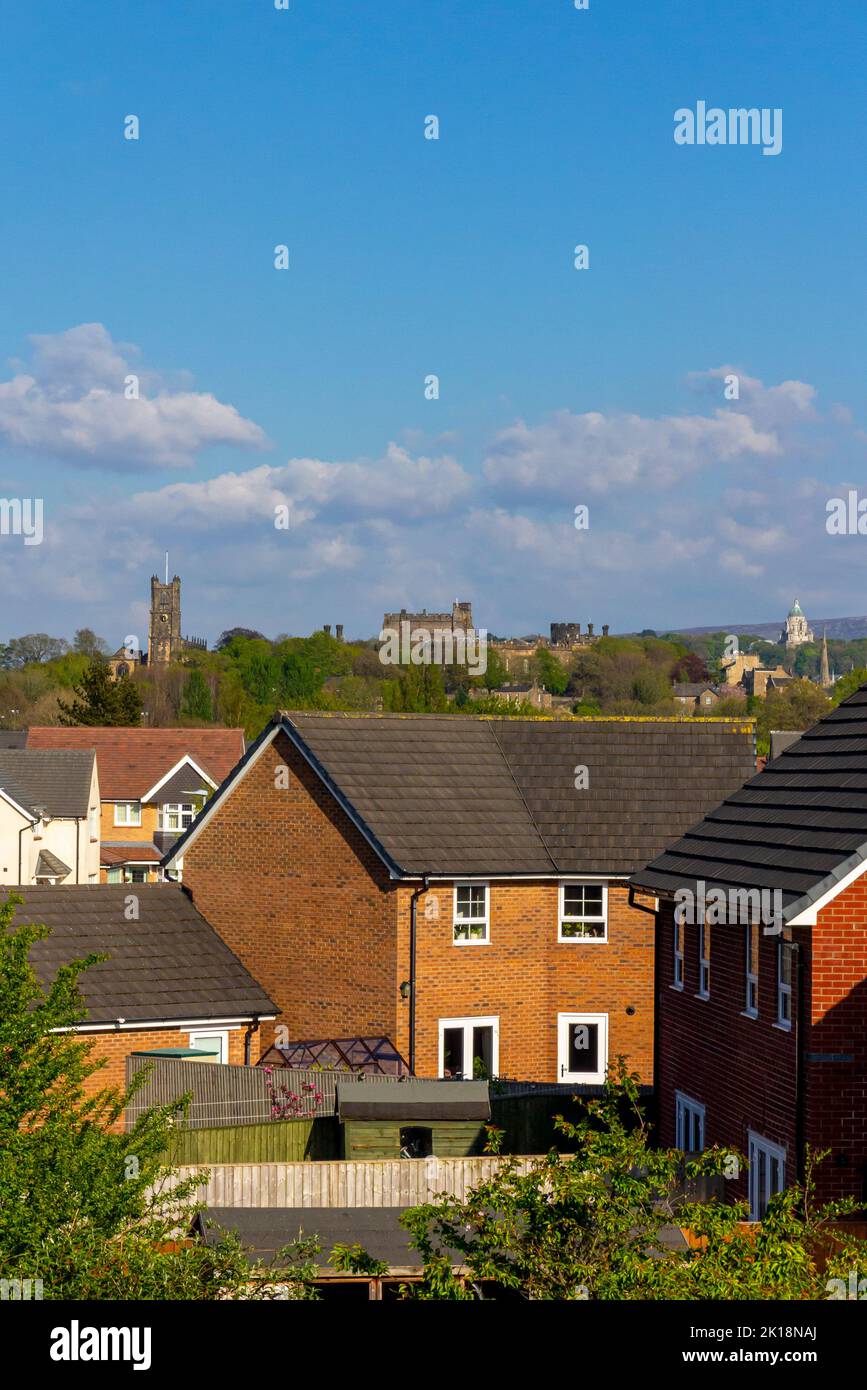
[
  {"x": 741, "y": 1069},
  {"x": 526, "y": 977},
  {"x": 295, "y": 891},
  {"x": 744, "y": 1070},
  {"x": 837, "y": 1091}
]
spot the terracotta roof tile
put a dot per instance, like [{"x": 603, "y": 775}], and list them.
[{"x": 131, "y": 761}]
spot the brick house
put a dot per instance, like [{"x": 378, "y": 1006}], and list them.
[
  {"x": 169, "y": 981},
  {"x": 762, "y": 1006},
  {"x": 152, "y": 781},
  {"x": 456, "y": 884}
]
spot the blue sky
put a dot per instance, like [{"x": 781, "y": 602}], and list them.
[{"x": 410, "y": 257}]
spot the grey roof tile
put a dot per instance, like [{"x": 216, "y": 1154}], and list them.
[{"x": 168, "y": 965}]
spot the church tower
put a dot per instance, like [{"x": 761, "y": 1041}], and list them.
[{"x": 164, "y": 635}]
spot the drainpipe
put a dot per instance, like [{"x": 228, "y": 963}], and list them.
[
  {"x": 800, "y": 1061},
  {"x": 21, "y": 851},
  {"x": 413, "y": 919},
  {"x": 252, "y": 1027}
]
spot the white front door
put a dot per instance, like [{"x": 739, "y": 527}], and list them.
[{"x": 582, "y": 1048}]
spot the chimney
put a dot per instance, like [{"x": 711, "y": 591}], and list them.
[
  {"x": 589, "y": 629},
  {"x": 327, "y": 629},
  {"x": 605, "y": 627},
  {"x": 339, "y": 632}
]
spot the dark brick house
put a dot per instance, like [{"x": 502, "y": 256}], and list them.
[
  {"x": 456, "y": 884},
  {"x": 762, "y": 1016}
]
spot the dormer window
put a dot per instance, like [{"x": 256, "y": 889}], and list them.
[
  {"x": 176, "y": 815},
  {"x": 127, "y": 813}
]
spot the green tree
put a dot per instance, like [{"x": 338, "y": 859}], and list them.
[
  {"x": 550, "y": 672},
  {"x": 589, "y": 1225},
  {"x": 418, "y": 690},
  {"x": 798, "y": 706},
  {"x": 85, "y": 1207},
  {"x": 100, "y": 700},
  {"x": 86, "y": 643},
  {"x": 196, "y": 702},
  {"x": 848, "y": 684},
  {"x": 496, "y": 672}
]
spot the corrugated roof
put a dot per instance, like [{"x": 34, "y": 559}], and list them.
[
  {"x": 131, "y": 761},
  {"x": 797, "y": 826},
  {"x": 169, "y": 964},
  {"x": 59, "y": 781}
]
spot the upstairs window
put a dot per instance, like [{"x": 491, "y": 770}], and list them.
[
  {"x": 93, "y": 822},
  {"x": 704, "y": 961},
  {"x": 751, "y": 1002},
  {"x": 176, "y": 815},
  {"x": 583, "y": 912},
  {"x": 678, "y": 955},
  {"x": 471, "y": 914},
  {"x": 127, "y": 813},
  {"x": 784, "y": 984}
]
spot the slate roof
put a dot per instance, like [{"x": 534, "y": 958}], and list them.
[
  {"x": 169, "y": 965},
  {"x": 799, "y": 826},
  {"x": 131, "y": 761},
  {"x": 457, "y": 795},
  {"x": 463, "y": 795},
  {"x": 58, "y": 781},
  {"x": 13, "y": 738}
]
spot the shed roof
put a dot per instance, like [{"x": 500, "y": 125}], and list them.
[{"x": 413, "y": 1100}]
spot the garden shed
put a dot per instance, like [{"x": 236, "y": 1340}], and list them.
[{"x": 413, "y": 1119}]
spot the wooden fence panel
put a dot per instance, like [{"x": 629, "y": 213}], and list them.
[{"x": 374, "y": 1183}]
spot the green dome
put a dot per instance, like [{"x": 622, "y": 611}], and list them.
[{"x": 795, "y": 610}]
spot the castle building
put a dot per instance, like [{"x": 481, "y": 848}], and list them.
[
  {"x": 796, "y": 632},
  {"x": 459, "y": 620}
]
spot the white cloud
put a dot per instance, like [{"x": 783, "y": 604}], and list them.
[
  {"x": 71, "y": 405},
  {"x": 570, "y": 455},
  {"x": 396, "y": 485}
]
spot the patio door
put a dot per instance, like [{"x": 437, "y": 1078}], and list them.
[{"x": 582, "y": 1048}]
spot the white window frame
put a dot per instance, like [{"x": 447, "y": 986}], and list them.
[
  {"x": 751, "y": 977},
  {"x": 131, "y": 807},
  {"x": 468, "y": 1024},
  {"x": 784, "y": 991},
  {"x": 564, "y": 1020},
  {"x": 93, "y": 823},
  {"x": 679, "y": 945},
  {"x": 686, "y": 1109},
  {"x": 561, "y": 914},
  {"x": 221, "y": 1033},
  {"x": 484, "y": 921},
  {"x": 179, "y": 807},
  {"x": 757, "y": 1143},
  {"x": 703, "y": 991}
]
